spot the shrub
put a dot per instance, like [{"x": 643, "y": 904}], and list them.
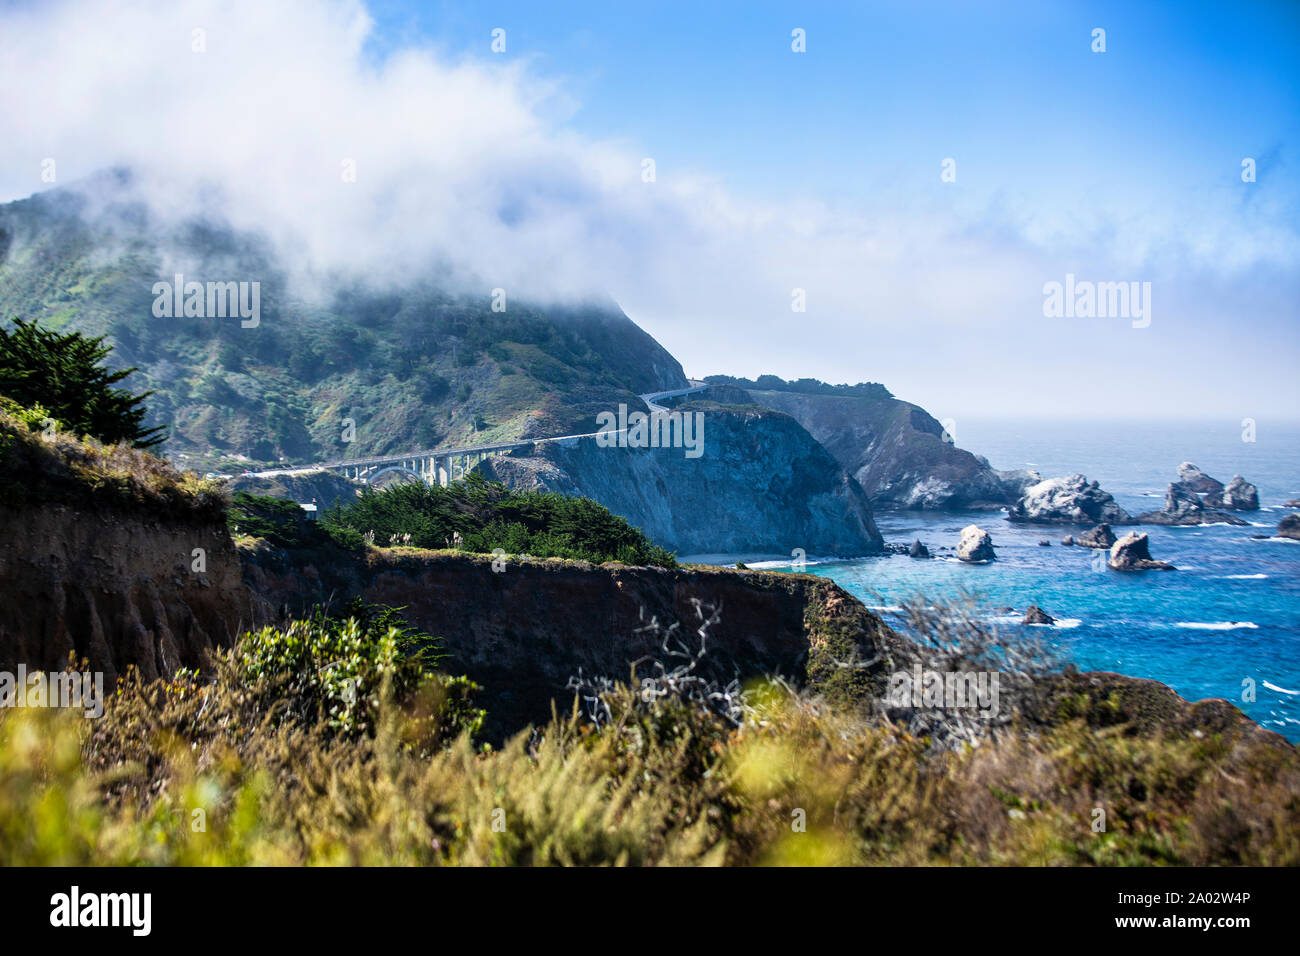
[{"x": 333, "y": 669}]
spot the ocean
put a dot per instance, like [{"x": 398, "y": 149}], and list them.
[{"x": 1224, "y": 621}]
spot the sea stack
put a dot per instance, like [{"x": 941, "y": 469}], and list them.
[
  {"x": 1240, "y": 495},
  {"x": 1197, "y": 480},
  {"x": 1099, "y": 537},
  {"x": 1036, "y": 615},
  {"x": 1068, "y": 500},
  {"x": 976, "y": 545},
  {"x": 1133, "y": 553}
]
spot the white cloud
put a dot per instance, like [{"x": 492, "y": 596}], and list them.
[{"x": 462, "y": 165}]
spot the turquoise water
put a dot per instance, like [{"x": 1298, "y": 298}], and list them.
[{"x": 1227, "y": 614}]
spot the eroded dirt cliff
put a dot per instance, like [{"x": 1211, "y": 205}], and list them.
[
  {"x": 523, "y": 631},
  {"x": 117, "y": 588}
]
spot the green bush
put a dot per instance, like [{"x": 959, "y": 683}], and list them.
[
  {"x": 335, "y": 669},
  {"x": 487, "y": 515}
]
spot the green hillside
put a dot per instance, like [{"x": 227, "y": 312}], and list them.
[{"x": 415, "y": 368}]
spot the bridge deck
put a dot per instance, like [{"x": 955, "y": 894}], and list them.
[{"x": 650, "y": 398}]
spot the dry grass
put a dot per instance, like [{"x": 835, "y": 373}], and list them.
[
  {"x": 661, "y": 781},
  {"x": 48, "y": 466}
]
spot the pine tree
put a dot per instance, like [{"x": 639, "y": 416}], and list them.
[{"x": 62, "y": 373}]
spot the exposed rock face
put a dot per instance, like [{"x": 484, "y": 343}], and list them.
[
  {"x": 1099, "y": 537},
  {"x": 918, "y": 550},
  {"x": 976, "y": 545},
  {"x": 1133, "y": 553},
  {"x": 897, "y": 451},
  {"x": 762, "y": 485},
  {"x": 1240, "y": 495},
  {"x": 523, "y": 632},
  {"x": 118, "y": 590},
  {"x": 323, "y": 487},
  {"x": 1068, "y": 500},
  {"x": 1036, "y": 615},
  {"x": 1183, "y": 507},
  {"x": 1197, "y": 480},
  {"x": 1289, "y": 527},
  {"x": 1068, "y": 541},
  {"x": 1017, "y": 481}
]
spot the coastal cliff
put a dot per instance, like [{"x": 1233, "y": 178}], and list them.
[
  {"x": 763, "y": 485},
  {"x": 896, "y": 450},
  {"x": 117, "y": 590}
]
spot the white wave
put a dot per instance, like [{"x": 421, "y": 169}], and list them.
[
  {"x": 1061, "y": 622},
  {"x": 887, "y": 608},
  {"x": 1216, "y": 625},
  {"x": 1280, "y": 690},
  {"x": 1244, "y": 577}
]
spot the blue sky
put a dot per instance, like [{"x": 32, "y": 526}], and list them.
[
  {"x": 1012, "y": 89},
  {"x": 1136, "y": 145},
  {"x": 775, "y": 171}
]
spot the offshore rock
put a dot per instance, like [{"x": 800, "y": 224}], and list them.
[
  {"x": 1099, "y": 537},
  {"x": 1068, "y": 500},
  {"x": 1133, "y": 553},
  {"x": 976, "y": 545}
]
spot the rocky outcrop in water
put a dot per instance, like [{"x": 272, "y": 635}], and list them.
[
  {"x": 1036, "y": 615},
  {"x": 1133, "y": 553},
  {"x": 1239, "y": 495},
  {"x": 1184, "y": 507},
  {"x": 1068, "y": 500},
  {"x": 1289, "y": 527},
  {"x": 763, "y": 485},
  {"x": 1099, "y": 537},
  {"x": 976, "y": 545},
  {"x": 918, "y": 550},
  {"x": 1198, "y": 481}
]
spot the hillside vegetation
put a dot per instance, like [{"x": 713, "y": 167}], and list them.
[{"x": 351, "y": 373}]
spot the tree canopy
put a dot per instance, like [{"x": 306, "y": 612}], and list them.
[{"x": 62, "y": 372}]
